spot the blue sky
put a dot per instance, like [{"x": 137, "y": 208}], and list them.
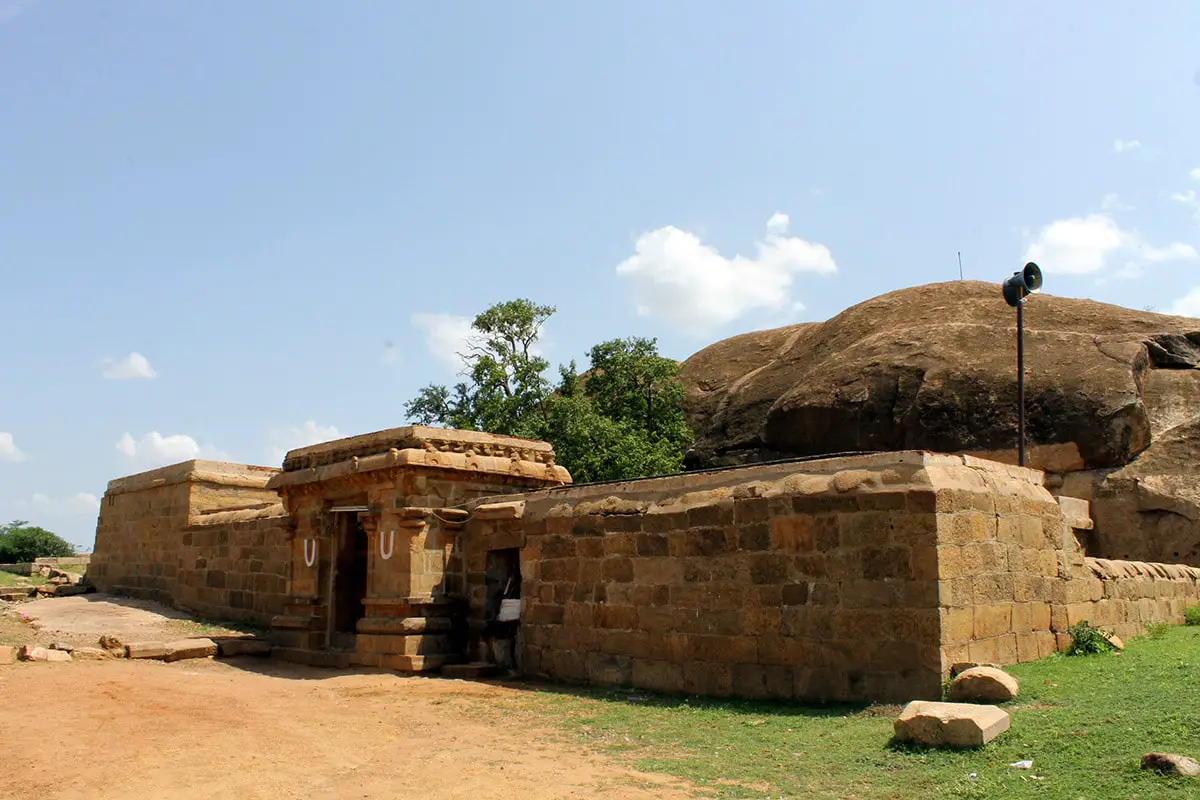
[{"x": 266, "y": 222}]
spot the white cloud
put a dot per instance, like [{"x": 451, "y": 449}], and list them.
[
  {"x": 1082, "y": 245},
  {"x": 291, "y": 437},
  {"x": 155, "y": 450},
  {"x": 446, "y": 336},
  {"x": 78, "y": 504},
  {"x": 1189, "y": 199},
  {"x": 1126, "y": 145},
  {"x": 689, "y": 284},
  {"x": 1188, "y": 305},
  {"x": 1195, "y": 174},
  {"x": 8, "y": 448},
  {"x": 134, "y": 366}
]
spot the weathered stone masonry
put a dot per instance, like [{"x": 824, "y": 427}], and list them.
[
  {"x": 844, "y": 579},
  {"x": 862, "y": 578},
  {"x": 205, "y": 536}
]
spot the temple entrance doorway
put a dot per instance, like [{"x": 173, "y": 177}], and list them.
[{"x": 349, "y": 579}]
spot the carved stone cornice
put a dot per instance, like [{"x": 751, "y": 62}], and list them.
[{"x": 364, "y": 472}]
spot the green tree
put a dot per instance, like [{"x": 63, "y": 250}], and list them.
[
  {"x": 21, "y": 543},
  {"x": 621, "y": 418},
  {"x": 505, "y": 386}
]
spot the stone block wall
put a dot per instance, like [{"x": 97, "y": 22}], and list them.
[
  {"x": 815, "y": 581},
  {"x": 167, "y": 535},
  {"x": 1015, "y": 576},
  {"x": 1003, "y": 543},
  {"x": 1127, "y": 596},
  {"x": 845, "y": 579},
  {"x": 234, "y": 565},
  {"x": 138, "y": 534}
]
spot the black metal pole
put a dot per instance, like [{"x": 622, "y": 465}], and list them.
[{"x": 1021, "y": 382}]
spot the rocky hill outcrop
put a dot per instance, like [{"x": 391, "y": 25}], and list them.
[{"x": 1113, "y": 398}]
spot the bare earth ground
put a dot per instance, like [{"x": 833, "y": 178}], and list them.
[{"x": 255, "y": 728}]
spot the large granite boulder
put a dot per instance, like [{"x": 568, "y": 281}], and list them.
[{"x": 1113, "y": 398}]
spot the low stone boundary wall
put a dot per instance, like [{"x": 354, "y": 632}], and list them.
[{"x": 1127, "y": 596}]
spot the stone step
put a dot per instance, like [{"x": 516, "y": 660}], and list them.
[{"x": 475, "y": 671}]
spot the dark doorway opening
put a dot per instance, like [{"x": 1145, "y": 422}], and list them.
[
  {"x": 502, "y": 610},
  {"x": 349, "y": 580}
]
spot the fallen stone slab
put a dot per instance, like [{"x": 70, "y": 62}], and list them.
[
  {"x": 956, "y": 725},
  {"x": 66, "y": 648},
  {"x": 33, "y": 653},
  {"x": 92, "y": 654},
  {"x": 145, "y": 650},
  {"x": 227, "y": 648},
  {"x": 983, "y": 685},
  {"x": 190, "y": 648},
  {"x": 1171, "y": 764}
]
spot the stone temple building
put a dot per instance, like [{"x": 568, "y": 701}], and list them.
[{"x": 854, "y": 578}]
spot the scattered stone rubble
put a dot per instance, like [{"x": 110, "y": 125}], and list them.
[{"x": 112, "y": 647}]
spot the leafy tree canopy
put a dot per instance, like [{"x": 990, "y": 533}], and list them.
[
  {"x": 21, "y": 543},
  {"x": 621, "y": 418}
]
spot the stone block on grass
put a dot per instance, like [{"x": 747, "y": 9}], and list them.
[
  {"x": 983, "y": 685},
  {"x": 1171, "y": 764},
  {"x": 956, "y": 725}
]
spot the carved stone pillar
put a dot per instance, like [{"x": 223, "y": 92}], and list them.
[{"x": 410, "y": 621}]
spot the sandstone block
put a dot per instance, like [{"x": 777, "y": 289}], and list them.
[
  {"x": 243, "y": 647},
  {"x": 31, "y": 653},
  {"x": 1171, "y": 764},
  {"x": 957, "y": 725},
  {"x": 145, "y": 650},
  {"x": 91, "y": 653},
  {"x": 983, "y": 685}
]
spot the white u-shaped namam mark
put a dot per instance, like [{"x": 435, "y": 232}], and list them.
[
  {"x": 391, "y": 546},
  {"x": 310, "y": 558}
]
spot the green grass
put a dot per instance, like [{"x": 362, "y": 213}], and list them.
[
  {"x": 9, "y": 579},
  {"x": 1085, "y": 721}
]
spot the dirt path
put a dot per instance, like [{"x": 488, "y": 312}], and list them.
[
  {"x": 253, "y": 728},
  {"x": 87, "y": 616}
]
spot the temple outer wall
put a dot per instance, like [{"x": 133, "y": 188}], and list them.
[
  {"x": 859, "y": 579},
  {"x": 204, "y": 536}
]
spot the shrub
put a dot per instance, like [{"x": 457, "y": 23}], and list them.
[
  {"x": 1192, "y": 615},
  {"x": 1086, "y": 640},
  {"x": 21, "y": 543}
]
